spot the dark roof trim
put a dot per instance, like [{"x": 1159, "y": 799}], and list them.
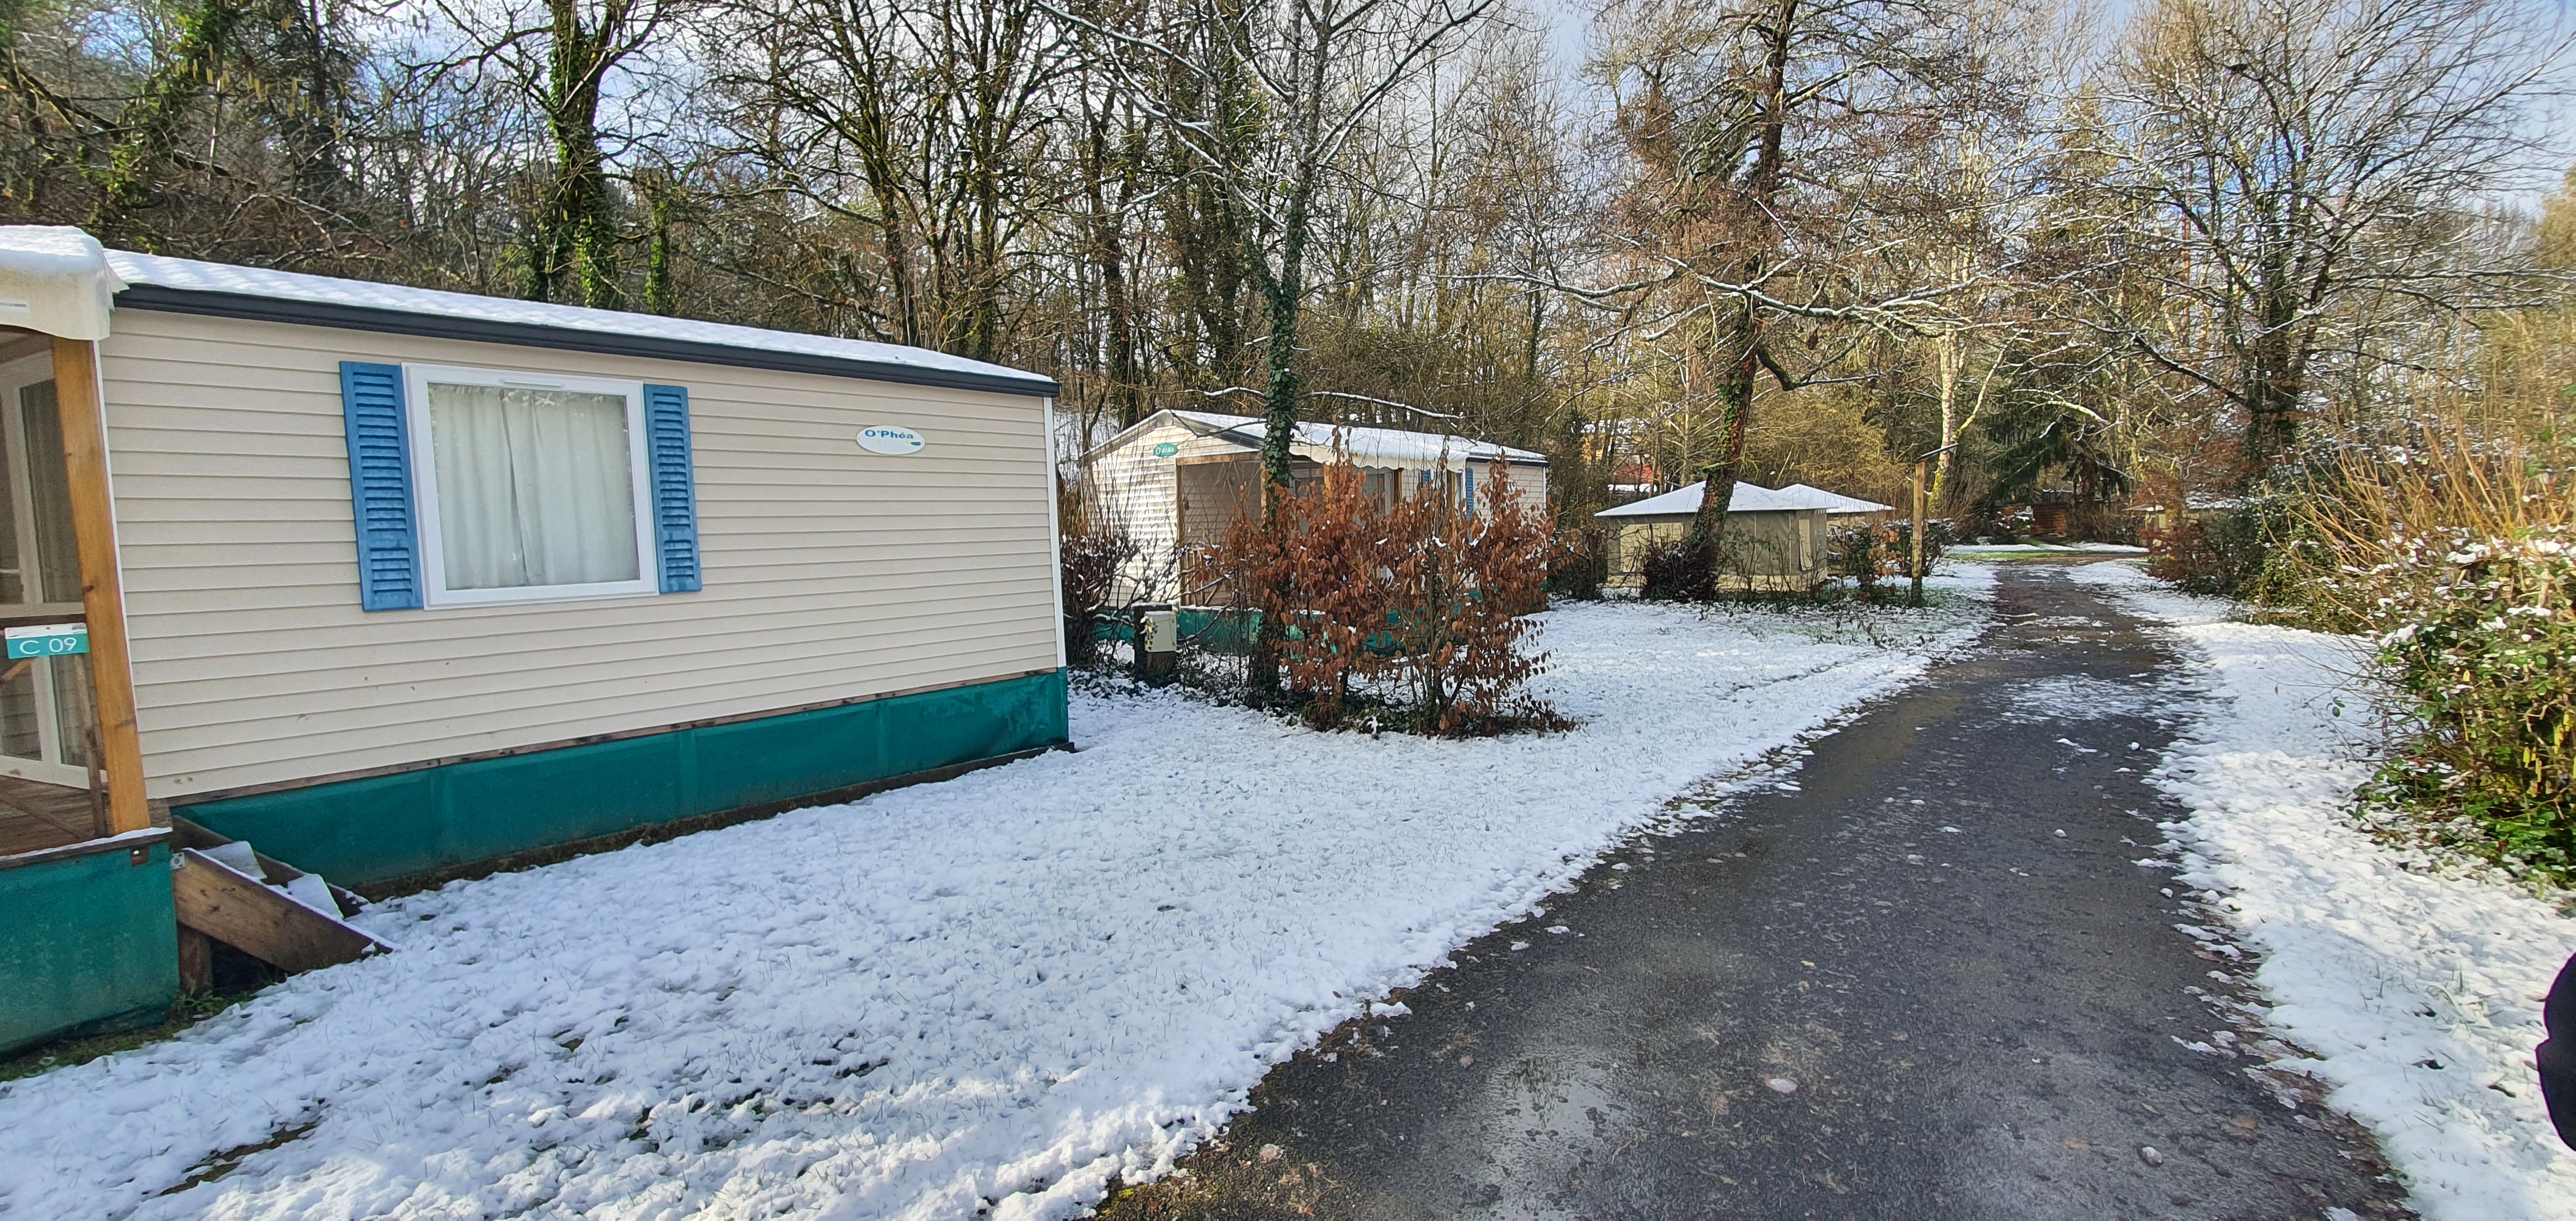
[{"x": 526, "y": 335}]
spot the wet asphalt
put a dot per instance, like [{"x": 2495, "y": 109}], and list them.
[{"x": 1936, "y": 927}]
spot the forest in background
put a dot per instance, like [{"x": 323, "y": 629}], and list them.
[
  {"x": 2276, "y": 282},
  {"x": 2159, "y": 260}
]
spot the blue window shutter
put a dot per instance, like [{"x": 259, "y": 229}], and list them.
[
  {"x": 675, "y": 492},
  {"x": 1471, "y": 491},
  {"x": 371, "y": 407}
]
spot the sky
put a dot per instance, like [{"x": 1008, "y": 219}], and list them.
[{"x": 2553, "y": 118}]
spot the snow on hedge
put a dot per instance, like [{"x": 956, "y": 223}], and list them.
[
  {"x": 1004, "y": 988},
  {"x": 2418, "y": 990}
]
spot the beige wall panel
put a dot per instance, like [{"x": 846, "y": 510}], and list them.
[
  {"x": 1131, "y": 487},
  {"x": 1766, "y": 547},
  {"x": 831, "y": 573}
]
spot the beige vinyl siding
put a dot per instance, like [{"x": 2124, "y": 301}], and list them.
[
  {"x": 1130, "y": 487},
  {"x": 831, "y": 573}
]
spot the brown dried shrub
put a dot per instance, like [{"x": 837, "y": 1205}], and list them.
[{"x": 1411, "y": 614}]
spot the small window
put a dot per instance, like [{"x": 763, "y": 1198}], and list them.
[{"x": 532, "y": 487}]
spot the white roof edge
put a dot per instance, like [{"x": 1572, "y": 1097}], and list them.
[
  {"x": 157, "y": 281},
  {"x": 56, "y": 279},
  {"x": 1838, "y": 504},
  {"x": 1747, "y": 498},
  {"x": 1369, "y": 441},
  {"x": 1373, "y": 441}
]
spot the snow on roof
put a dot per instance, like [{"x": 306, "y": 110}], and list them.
[
  {"x": 1839, "y": 504},
  {"x": 55, "y": 279},
  {"x": 150, "y": 271},
  {"x": 1747, "y": 498},
  {"x": 1388, "y": 444}
]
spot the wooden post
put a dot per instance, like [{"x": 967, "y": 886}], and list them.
[
  {"x": 1916, "y": 566},
  {"x": 196, "y": 961},
  {"x": 84, "y": 424}
]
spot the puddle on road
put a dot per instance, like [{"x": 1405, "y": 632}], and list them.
[{"x": 2079, "y": 697}]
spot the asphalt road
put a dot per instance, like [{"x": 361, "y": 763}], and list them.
[{"x": 1941, "y": 938}]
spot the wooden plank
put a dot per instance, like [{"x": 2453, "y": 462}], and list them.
[
  {"x": 223, "y": 904},
  {"x": 84, "y": 426},
  {"x": 187, "y": 834}
]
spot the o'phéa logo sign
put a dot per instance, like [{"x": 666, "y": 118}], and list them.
[{"x": 888, "y": 439}]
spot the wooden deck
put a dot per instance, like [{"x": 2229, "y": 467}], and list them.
[{"x": 35, "y": 815}]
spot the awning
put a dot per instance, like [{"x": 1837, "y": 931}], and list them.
[{"x": 55, "y": 279}]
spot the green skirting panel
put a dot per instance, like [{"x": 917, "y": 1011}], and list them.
[
  {"x": 360, "y": 831},
  {"x": 86, "y": 942}
]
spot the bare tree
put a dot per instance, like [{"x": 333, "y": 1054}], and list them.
[
  {"x": 1273, "y": 93},
  {"x": 560, "y": 56},
  {"x": 2310, "y": 170},
  {"x": 1753, "y": 213},
  {"x": 925, "y": 127}
]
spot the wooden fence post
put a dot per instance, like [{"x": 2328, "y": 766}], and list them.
[
  {"x": 84, "y": 426},
  {"x": 1914, "y": 566}
]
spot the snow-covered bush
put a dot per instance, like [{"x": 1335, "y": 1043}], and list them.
[
  {"x": 2457, "y": 555},
  {"x": 2480, "y": 635}
]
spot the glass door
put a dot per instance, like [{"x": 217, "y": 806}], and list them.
[{"x": 45, "y": 712}]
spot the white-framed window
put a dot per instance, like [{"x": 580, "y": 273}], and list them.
[
  {"x": 45, "y": 712},
  {"x": 532, "y": 487}
]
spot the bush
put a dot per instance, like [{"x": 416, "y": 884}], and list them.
[
  {"x": 2486, "y": 652},
  {"x": 2206, "y": 551},
  {"x": 1411, "y": 615},
  {"x": 1859, "y": 552},
  {"x": 1091, "y": 561},
  {"x": 1582, "y": 566},
  {"x": 1676, "y": 571},
  {"x": 2459, "y": 557},
  {"x": 1899, "y": 541},
  {"x": 1873, "y": 555}
]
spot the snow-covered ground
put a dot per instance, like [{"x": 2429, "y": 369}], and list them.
[
  {"x": 2417, "y": 989},
  {"x": 1003, "y": 989}
]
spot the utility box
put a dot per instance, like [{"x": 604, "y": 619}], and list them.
[{"x": 1158, "y": 646}]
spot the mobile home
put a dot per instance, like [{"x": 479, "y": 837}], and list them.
[
  {"x": 1178, "y": 480},
  {"x": 391, "y": 581},
  {"x": 1775, "y": 539}
]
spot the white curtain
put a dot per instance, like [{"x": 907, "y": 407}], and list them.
[{"x": 535, "y": 487}]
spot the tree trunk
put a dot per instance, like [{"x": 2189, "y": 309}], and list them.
[
  {"x": 1737, "y": 336},
  {"x": 1109, "y": 246},
  {"x": 1736, "y": 340},
  {"x": 2273, "y": 363},
  {"x": 659, "y": 295},
  {"x": 1950, "y": 359},
  {"x": 583, "y": 237},
  {"x": 309, "y": 119}
]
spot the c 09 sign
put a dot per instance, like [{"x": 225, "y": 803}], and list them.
[{"x": 48, "y": 640}]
